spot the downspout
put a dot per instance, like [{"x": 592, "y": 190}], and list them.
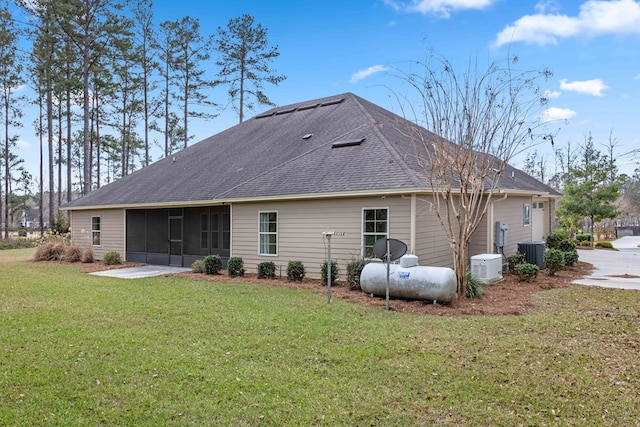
[{"x": 412, "y": 244}]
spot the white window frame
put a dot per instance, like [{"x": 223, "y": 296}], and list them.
[
  {"x": 364, "y": 233},
  {"x": 96, "y": 232},
  {"x": 526, "y": 214},
  {"x": 268, "y": 233}
]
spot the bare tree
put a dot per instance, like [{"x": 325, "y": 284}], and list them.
[{"x": 481, "y": 120}]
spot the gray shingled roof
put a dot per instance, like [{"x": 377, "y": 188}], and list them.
[{"x": 267, "y": 156}]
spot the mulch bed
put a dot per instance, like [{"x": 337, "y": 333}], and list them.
[{"x": 508, "y": 297}]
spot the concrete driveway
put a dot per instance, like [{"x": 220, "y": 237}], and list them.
[{"x": 609, "y": 264}]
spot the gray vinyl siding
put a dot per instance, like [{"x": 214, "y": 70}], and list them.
[
  {"x": 112, "y": 223},
  {"x": 300, "y": 228},
  {"x": 432, "y": 244},
  {"x": 510, "y": 211},
  {"x": 480, "y": 239}
]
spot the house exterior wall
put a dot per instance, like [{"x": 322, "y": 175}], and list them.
[
  {"x": 112, "y": 234},
  {"x": 432, "y": 244},
  {"x": 510, "y": 211},
  {"x": 300, "y": 228}
]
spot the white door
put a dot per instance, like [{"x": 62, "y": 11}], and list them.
[{"x": 537, "y": 221}]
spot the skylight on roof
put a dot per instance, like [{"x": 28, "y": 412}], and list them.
[{"x": 347, "y": 143}]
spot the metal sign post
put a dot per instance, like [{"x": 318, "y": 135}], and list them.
[
  {"x": 389, "y": 250},
  {"x": 328, "y": 235}
]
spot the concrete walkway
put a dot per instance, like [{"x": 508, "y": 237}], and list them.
[
  {"x": 609, "y": 264},
  {"x": 140, "y": 272}
]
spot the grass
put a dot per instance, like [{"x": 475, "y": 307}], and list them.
[{"x": 82, "y": 350}]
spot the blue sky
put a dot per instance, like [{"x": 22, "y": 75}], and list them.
[{"x": 330, "y": 47}]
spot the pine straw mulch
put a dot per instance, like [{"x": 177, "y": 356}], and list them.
[{"x": 508, "y": 297}]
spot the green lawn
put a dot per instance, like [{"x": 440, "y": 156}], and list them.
[{"x": 82, "y": 350}]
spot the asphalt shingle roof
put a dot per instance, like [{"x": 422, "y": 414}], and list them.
[{"x": 267, "y": 156}]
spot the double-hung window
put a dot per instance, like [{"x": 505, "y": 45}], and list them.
[
  {"x": 95, "y": 230},
  {"x": 375, "y": 225},
  {"x": 268, "y": 234}
]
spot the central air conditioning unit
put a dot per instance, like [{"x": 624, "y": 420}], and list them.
[{"x": 487, "y": 267}]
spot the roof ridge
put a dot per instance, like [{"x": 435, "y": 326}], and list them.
[{"x": 411, "y": 174}]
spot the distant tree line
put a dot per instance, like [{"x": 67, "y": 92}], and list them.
[{"x": 109, "y": 84}]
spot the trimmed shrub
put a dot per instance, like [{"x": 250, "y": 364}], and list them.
[
  {"x": 295, "y": 271},
  {"x": 553, "y": 260},
  {"x": 335, "y": 272},
  {"x": 515, "y": 259},
  {"x": 474, "y": 286},
  {"x": 566, "y": 246},
  {"x": 22, "y": 232},
  {"x": 570, "y": 257},
  {"x": 354, "y": 269},
  {"x": 584, "y": 237},
  {"x": 266, "y": 270},
  {"x": 87, "y": 256},
  {"x": 553, "y": 241},
  {"x": 197, "y": 266},
  {"x": 111, "y": 258},
  {"x": 585, "y": 243},
  {"x": 607, "y": 245},
  {"x": 235, "y": 266},
  {"x": 212, "y": 264},
  {"x": 527, "y": 272}
]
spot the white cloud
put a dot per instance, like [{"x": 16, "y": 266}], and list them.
[
  {"x": 363, "y": 74},
  {"x": 596, "y": 17},
  {"x": 552, "y": 94},
  {"x": 442, "y": 8},
  {"x": 593, "y": 87},
  {"x": 23, "y": 144},
  {"x": 555, "y": 114},
  {"x": 637, "y": 77}
]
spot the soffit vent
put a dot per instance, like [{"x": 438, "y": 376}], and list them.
[
  {"x": 332, "y": 102},
  {"x": 347, "y": 143}
]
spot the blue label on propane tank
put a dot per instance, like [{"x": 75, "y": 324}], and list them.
[{"x": 404, "y": 275}]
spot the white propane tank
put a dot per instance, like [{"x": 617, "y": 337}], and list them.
[{"x": 415, "y": 282}]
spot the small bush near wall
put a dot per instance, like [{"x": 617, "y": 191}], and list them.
[
  {"x": 212, "y": 264},
  {"x": 584, "y": 237},
  {"x": 527, "y": 272},
  {"x": 235, "y": 267},
  {"x": 295, "y": 271},
  {"x": 553, "y": 260},
  {"x": 111, "y": 258},
  {"x": 198, "y": 266},
  {"x": 87, "y": 256},
  {"x": 553, "y": 241},
  {"x": 354, "y": 270},
  {"x": 71, "y": 254},
  {"x": 335, "y": 272},
  {"x": 567, "y": 246},
  {"x": 266, "y": 270},
  {"x": 515, "y": 259}
]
